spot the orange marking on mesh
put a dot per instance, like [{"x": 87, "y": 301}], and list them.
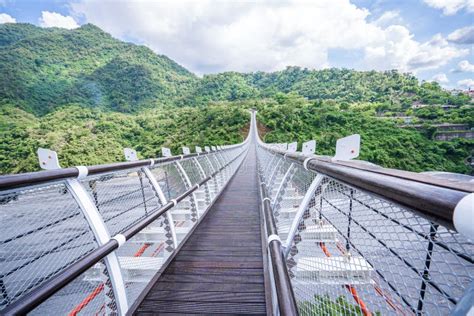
[
  {"x": 158, "y": 250},
  {"x": 377, "y": 287},
  {"x": 358, "y": 300},
  {"x": 351, "y": 289},
  {"x": 87, "y": 300},
  {"x": 142, "y": 249}
]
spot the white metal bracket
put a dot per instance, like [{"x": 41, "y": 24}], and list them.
[
  {"x": 347, "y": 148},
  {"x": 48, "y": 159},
  {"x": 166, "y": 152},
  {"x": 130, "y": 154},
  {"x": 292, "y": 147},
  {"x": 309, "y": 147}
]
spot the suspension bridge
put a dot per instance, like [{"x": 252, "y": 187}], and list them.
[{"x": 249, "y": 228}]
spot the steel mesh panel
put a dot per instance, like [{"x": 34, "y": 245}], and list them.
[
  {"x": 169, "y": 178},
  {"x": 387, "y": 242},
  {"x": 205, "y": 165},
  {"x": 287, "y": 200},
  {"x": 355, "y": 253},
  {"x": 89, "y": 294},
  {"x": 192, "y": 171},
  {"x": 142, "y": 256},
  {"x": 42, "y": 231},
  {"x": 122, "y": 198}
]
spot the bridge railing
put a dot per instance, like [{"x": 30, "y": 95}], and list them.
[
  {"x": 88, "y": 240},
  {"x": 360, "y": 239}
]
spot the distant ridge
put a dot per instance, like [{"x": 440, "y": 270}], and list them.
[{"x": 46, "y": 68}]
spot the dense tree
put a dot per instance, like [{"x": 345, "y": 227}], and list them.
[{"x": 87, "y": 95}]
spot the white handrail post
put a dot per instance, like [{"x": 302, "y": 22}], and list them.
[
  {"x": 48, "y": 160},
  {"x": 203, "y": 175},
  {"x": 286, "y": 178},
  {"x": 101, "y": 234},
  {"x": 188, "y": 184},
  {"x": 301, "y": 209},
  {"x": 131, "y": 155}
]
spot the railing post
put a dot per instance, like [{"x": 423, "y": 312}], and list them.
[
  {"x": 131, "y": 155},
  {"x": 102, "y": 236},
  {"x": 169, "y": 217},
  {"x": 286, "y": 178},
  {"x": 188, "y": 184},
  {"x": 301, "y": 210},
  {"x": 216, "y": 182},
  {"x": 277, "y": 167},
  {"x": 203, "y": 175},
  {"x": 49, "y": 160}
]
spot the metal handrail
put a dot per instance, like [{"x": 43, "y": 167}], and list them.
[
  {"x": 14, "y": 181},
  {"x": 432, "y": 198},
  {"x": 34, "y": 298},
  {"x": 284, "y": 291}
]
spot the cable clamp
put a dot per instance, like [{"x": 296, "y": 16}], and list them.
[
  {"x": 174, "y": 202},
  {"x": 120, "y": 239},
  {"x": 305, "y": 162},
  {"x": 273, "y": 237},
  {"x": 267, "y": 198},
  {"x": 152, "y": 162},
  {"x": 181, "y": 157},
  {"x": 82, "y": 172}
]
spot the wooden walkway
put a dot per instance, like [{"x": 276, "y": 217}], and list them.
[{"x": 219, "y": 270}]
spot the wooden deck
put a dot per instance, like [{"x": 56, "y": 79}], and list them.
[{"x": 219, "y": 270}]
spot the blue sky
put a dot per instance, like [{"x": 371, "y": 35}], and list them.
[{"x": 431, "y": 38}]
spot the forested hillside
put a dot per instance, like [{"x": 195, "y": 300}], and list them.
[
  {"x": 84, "y": 136},
  {"x": 87, "y": 95},
  {"x": 43, "y": 69},
  {"x": 382, "y": 142}
]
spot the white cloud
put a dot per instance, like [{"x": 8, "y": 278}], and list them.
[
  {"x": 388, "y": 18},
  {"x": 53, "y": 19},
  {"x": 212, "y": 36},
  {"x": 450, "y": 7},
  {"x": 466, "y": 83},
  {"x": 463, "y": 35},
  {"x": 464, "y": 66},
  {"x": 441, "y": 78},
  {"x": 5, "y": 18}
]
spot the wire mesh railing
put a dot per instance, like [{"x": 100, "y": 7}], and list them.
[
  {"x": 88, "y": 240},
  {"x": 351, "y": 251}
]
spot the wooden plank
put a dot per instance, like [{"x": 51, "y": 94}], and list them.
[
  {"x": 208, "y": 287},
  {"x": 257, "y": 259},
  {"x": 228, "y": 265},
  {"x": 174, "y": 269},
  {"x": 206, "y": 278},
  {"x": 193, "y": 296},
  {"x": 203, "y": 307}
]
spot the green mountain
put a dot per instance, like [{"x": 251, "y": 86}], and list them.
[
  {"x": 43, "y": 69},
  {"x": 87, "y": 95}
]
